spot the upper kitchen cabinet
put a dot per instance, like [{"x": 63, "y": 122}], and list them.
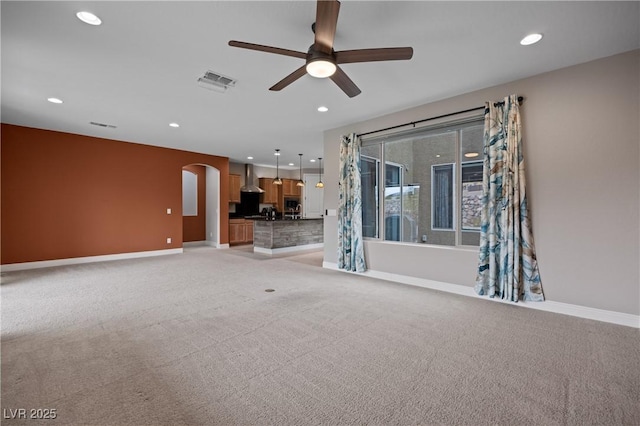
[
  {"x": 234, "y": 188},
  {"x": 270, "y": 194},
  {"x": 289, "y": 188}
]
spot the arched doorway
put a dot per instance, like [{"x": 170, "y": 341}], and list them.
[{"x": 201, "y": 205}]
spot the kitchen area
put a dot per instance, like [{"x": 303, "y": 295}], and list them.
[{"x": 266, "y": 209}]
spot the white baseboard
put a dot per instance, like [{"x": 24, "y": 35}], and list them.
[
  {"x": 291, "y": 249},
  {"x": 613, "y": 317},
  {"x": 195, "y": 243},
  {"x": 204, "y": 243},
  {"x": 88, "y": 259}
]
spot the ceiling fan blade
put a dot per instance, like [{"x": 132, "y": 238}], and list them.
[
  {"x": 345, "y": 83},
  {"x": 371, "y": 55},
  {"x": 268, "y": 49},
  {"x": 289, "y": 79},
  {"x": 326, "y": 22}
]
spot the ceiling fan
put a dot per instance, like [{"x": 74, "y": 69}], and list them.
[{"x": 321, "y": 60}]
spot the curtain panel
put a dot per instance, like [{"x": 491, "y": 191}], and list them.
[
  {"x": 507, "y": 265},
  {"x": 350, "y": 244}
]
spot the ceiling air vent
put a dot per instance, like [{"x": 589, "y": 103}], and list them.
[
  {"x": 215, "y": 81},
  {"x": 109, "y": 126}
]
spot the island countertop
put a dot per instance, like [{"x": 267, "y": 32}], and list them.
[{"x": 272, "y": 236}]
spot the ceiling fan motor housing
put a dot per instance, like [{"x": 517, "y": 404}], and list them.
[{"x": 317, "y": 55}]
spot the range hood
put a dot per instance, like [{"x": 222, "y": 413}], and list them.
[{"x": 250, "y": 180}]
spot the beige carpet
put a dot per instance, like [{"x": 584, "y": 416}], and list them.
[{"x": 195, "y": 339}]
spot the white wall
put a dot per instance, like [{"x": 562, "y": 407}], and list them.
[
  {"x": 212, "y": 210},
  {"x": 582, "y": 153},
  {"x": 262, "y": 172}
]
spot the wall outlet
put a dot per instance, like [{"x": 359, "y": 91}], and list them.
[
  {"x": 169, "y": 240},
  {"x": 424, "y": 238},
  {"x": 168, "y": 211}
]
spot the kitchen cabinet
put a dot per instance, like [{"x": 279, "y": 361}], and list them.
[
  {"x": 237, "y": 233},
  {"x": 270, "y": 194},
  {"x": 240, "y": 231},
  {"x": 248, "y": 231},
  {"x": 234, "y": 188},
  {"x": 289, "y": 188}
]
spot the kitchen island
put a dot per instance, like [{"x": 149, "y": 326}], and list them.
[{"x": 287, "y": 235}]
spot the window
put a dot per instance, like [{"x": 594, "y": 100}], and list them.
[
  {"x": 369, "y": 175},
  {"x": 471, "y": 195},
  {"x": 442, "y": 197},
  {"x": 432, "y": 185},
  {"x": 189, "y": 193}
]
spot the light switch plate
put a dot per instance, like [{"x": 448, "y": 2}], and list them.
[
  {"x": 168, "y": 211},
  {"x": 169, "y": 240}
]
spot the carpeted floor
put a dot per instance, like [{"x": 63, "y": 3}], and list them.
[{"x": 194, "y": 339}]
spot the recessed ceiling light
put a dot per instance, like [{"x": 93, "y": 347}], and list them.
[
  {"x": 323, "y": 109},
  {"x": 174, "y": 125},
  {"x": 249, "y": 158},
  {"x": 438, "y": 155},
  {"x": 88, "y": 18},
  {"x": 55, "y": 100},
  {"x": 291, "y": 164},
  {"x": 313, "y": 160},
  {"x": 471, "y": 154},
  {"x": 531, "y": 39}
]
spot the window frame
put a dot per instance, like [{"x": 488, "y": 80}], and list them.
[
  {"x": 377, "y": 185},
  {"x": 400, "y": 170},
  {"x": 454, "y": 196},
  {"x": 433, "y": 129}
]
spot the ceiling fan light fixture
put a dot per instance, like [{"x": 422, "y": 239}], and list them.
[{"x": 321, "y": 68}]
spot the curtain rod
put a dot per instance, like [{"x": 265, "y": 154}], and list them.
[{"x": 413, "y": 123}]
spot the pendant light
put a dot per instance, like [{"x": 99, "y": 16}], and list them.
[
  {"x": 277, "y": 180},
  {"x": 300, "y": 181},
  {"x": 320, "y": 184}
]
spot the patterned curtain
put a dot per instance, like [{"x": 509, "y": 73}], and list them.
[
  {"x": 507, "y": 266},
  {"x": 350, "y": 246}
]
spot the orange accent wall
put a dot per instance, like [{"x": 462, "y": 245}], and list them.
[
  {"x": 66, "y": 195},
  {"x": 194, "y": 227}
]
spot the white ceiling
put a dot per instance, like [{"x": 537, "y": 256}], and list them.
[{"x": 138, "y": 70}]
